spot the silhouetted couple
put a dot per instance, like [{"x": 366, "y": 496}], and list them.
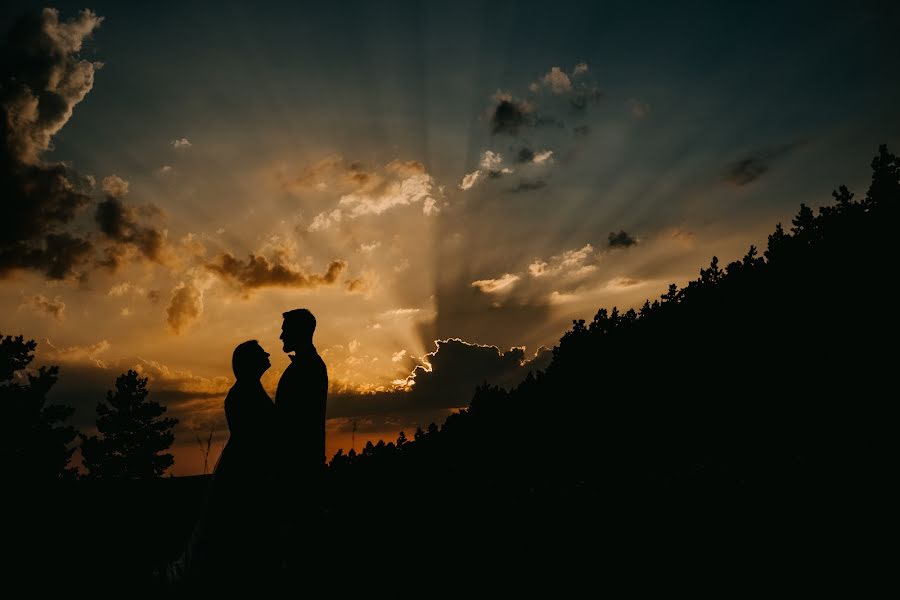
[{"x": 265, "y": 490}]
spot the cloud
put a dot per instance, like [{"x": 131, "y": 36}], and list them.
[
  {"x": 556, "y": 79},
  {"x": 750, "y": 168},
  {"x": 326, "y": 220},
  {"x": 319, "y": 176},
  {"x": 49, "y": 78},
  {"x": 181, "y": 144},
  {"x": 490, "y": 160},
  {"x": 469, "y": 180},
  {"x": 430, "y": 207},
  {"x": 619, "y": 283},
  {"x": 43, "y": 79},
  {"x": 353, "y": 345},
  {"x": 125, "y": 288},
  {"x": 88, "y": 354},
  {"x": 369, "y": 192},
  {"x": 543, "y": 157},
  {"x": 447, "y": 378},
  {"x": 259, "y": 271},
  {"x": 398, "y": 356},
  {"x": 527, "y": 155},
  {"x": 115, "y": 186},
  {"x": 557, "y": 298},
  {"x": 510, "y": 115},
  {"x": 560, "y": 83},
  {"x": 504, "y": 283},
  {"x": 119, "y": 223},
  {"x": 369, "y": 248},
  {"x": 412, "y": 189},
  {"x": 581, "y": 130},
  {"x": 185, "y": 306},
  {"x": 526, "y": 185},
  {"x": 364, "y": 284},
  {"x": 622, "y": 239},
  {"x": 39, "y": 303},
  {"x": 571, "y": 262},
  {"x": 402, "y": 312},
  {"x": 490, "y": 167}
]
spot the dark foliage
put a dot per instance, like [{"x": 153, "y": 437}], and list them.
[
  {"x": 37, "y": 443},
  {"x": 134, "y": 437}
]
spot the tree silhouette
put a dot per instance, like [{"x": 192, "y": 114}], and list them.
[
  {"x": 134, "y": 436},
  {"x": 36, "y": 442}
]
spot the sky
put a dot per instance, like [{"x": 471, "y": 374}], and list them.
[{"x": 445, "y": 185}]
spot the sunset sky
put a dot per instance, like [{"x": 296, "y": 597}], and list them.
[{"x": 445, "y": 185}]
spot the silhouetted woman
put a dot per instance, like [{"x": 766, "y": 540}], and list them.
[{"x": 232, "y": 540}]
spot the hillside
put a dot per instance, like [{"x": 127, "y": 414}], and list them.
[{"x": 763, "y": 381}]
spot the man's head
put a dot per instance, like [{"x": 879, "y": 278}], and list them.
[{"x": 297, "y": 329}]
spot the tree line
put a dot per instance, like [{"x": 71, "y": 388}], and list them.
[{"x": 132, "y": 433}]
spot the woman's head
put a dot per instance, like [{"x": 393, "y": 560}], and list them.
[{"x": 249, "y": 361}]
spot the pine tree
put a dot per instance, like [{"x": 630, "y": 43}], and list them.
[
  {"x": 36, "y": 445},
  {"x": 134, "y": 436}
]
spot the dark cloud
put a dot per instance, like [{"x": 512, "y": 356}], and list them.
[
  {"x": 154, "y": 296},
  {"x": 42, "y": 80},
  {"x": 747, "y": 170},
  {"x": 57, "y": 255},
  {"x": 581, "y": 130},
  {"x": 119, "y": 224},
  {"x": 509, "y": 116},
  {"x": 525, "y": 155},
  {"x": 526, "y": 185},
  {"x": 259, "y": 272},
  {"x": 447, "y": 380},
  {"x": 622, "y": 239}
]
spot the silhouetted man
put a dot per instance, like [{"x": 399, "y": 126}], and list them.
[{"x": 300, "y": 415}]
